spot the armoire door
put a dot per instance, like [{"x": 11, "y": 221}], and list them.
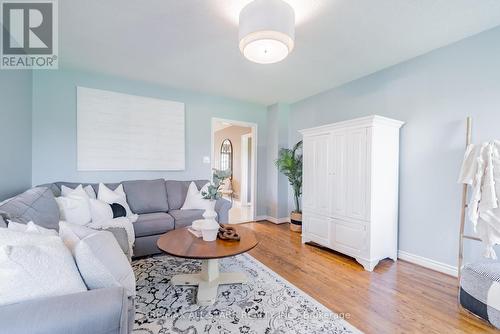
[
  {"x": 357, "y": 170},
  {"x": 316, "y": 173},
  {"x": 338, "y": 173}
]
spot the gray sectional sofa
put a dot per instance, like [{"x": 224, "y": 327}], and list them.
[{"x": 157, "y": 202}]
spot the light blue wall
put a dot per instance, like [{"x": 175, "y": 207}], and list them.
[
  {"x": 277, "y": 183},
  {"x": 433, "y": 94},
  {"x": 281, "y": 128},
  {"x": 15, "y": 132},
  {"x": 54, "y": 127}
]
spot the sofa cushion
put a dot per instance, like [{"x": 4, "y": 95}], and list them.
[
  {"x": 153, "y": 223},
  {"x": 56, "y": 190},
  {"x": 121, "y": 237},
  {"x": 36, "y": 204},
  {"x": 146, "y": 196},
  {"x": 184, "y": 218},
  {"x": 177, "y": 191}
]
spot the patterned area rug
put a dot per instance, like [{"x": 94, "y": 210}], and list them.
[{"x": 268, "y": 304}]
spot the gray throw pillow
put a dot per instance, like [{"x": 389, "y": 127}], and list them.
[{"x": 36, "y": 204}]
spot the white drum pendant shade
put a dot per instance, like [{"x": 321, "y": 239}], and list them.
[{"x": 267, "y": 31}]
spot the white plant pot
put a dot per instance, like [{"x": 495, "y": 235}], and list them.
[
  {"x": 210, "y": 213},
  {"x": 210, "y": 227}
]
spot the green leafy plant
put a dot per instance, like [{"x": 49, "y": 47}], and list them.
[
  {"x": 213, "y": 190},
  {"x": 289, "y": 162}
]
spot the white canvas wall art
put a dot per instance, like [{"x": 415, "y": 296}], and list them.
[{"x": 119, "y": 132}]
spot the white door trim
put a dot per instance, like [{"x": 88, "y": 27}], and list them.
[
  {"x": 254, "y": 132},
  {"x": 245, "y": 201}
]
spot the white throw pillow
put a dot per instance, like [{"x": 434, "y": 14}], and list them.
[
  {"x": 78, "y": 191},
  {"x": 194, "y": 198},
  {"x": 72, "y": 233},
  {"x": 116, "y": 196},
  {"x": 14, "y": 226},
  {"x": 30, "y": 228},
  {"x": 12, "y": 237},
  {"x": 89, "y": 191},
  {"x": 74, "y": 209},
  {"x": 100, "y": 211},
  {"x": 74, "y": 205},
  {"x": 100, "y": 259},
  {"x": 35, "y": 266},
  {"x": 65, "y": 191},
  {"x": 34, "y": 228}
]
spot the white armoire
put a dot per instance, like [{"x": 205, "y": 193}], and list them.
[{"x": 350, "y": 188}]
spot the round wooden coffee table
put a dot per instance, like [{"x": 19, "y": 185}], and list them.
[{"x": 182, "y": 243}]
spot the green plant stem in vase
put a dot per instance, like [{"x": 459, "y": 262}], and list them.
[{"x": 213, "y": 191}]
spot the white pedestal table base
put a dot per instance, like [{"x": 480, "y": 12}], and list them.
[{"x": 208, "y": 280}]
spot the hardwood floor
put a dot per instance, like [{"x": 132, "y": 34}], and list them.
[{"x": 396, "y": 298}]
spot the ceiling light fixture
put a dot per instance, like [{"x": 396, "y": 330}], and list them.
[{"x": 267, "y": 31}]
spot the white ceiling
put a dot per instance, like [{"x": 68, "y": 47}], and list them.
[{"x": 192, "y": 44}]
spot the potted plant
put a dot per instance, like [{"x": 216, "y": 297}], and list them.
[
  {"x": 213, "y": 193},
  {"x": 289, "y": 162}
]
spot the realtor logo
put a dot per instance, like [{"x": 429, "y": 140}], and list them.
[{"x": 29, "y": 34}]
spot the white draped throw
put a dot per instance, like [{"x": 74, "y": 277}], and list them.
[{"x": 481, "y": 170}]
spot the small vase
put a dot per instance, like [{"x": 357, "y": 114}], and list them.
[
  {"x": 211, "y": 227},
  {"x": 210, "y": 213}
]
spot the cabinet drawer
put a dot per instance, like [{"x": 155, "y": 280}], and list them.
[
  {"x": 317, "y": 228},
  {"x": 349, "y": 237}
]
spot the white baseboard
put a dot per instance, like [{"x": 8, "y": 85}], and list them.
[
  {"x": 412, "y": 258},
  {"x": 273, "y": 220},
  {"x": 428, "y": 263}
]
